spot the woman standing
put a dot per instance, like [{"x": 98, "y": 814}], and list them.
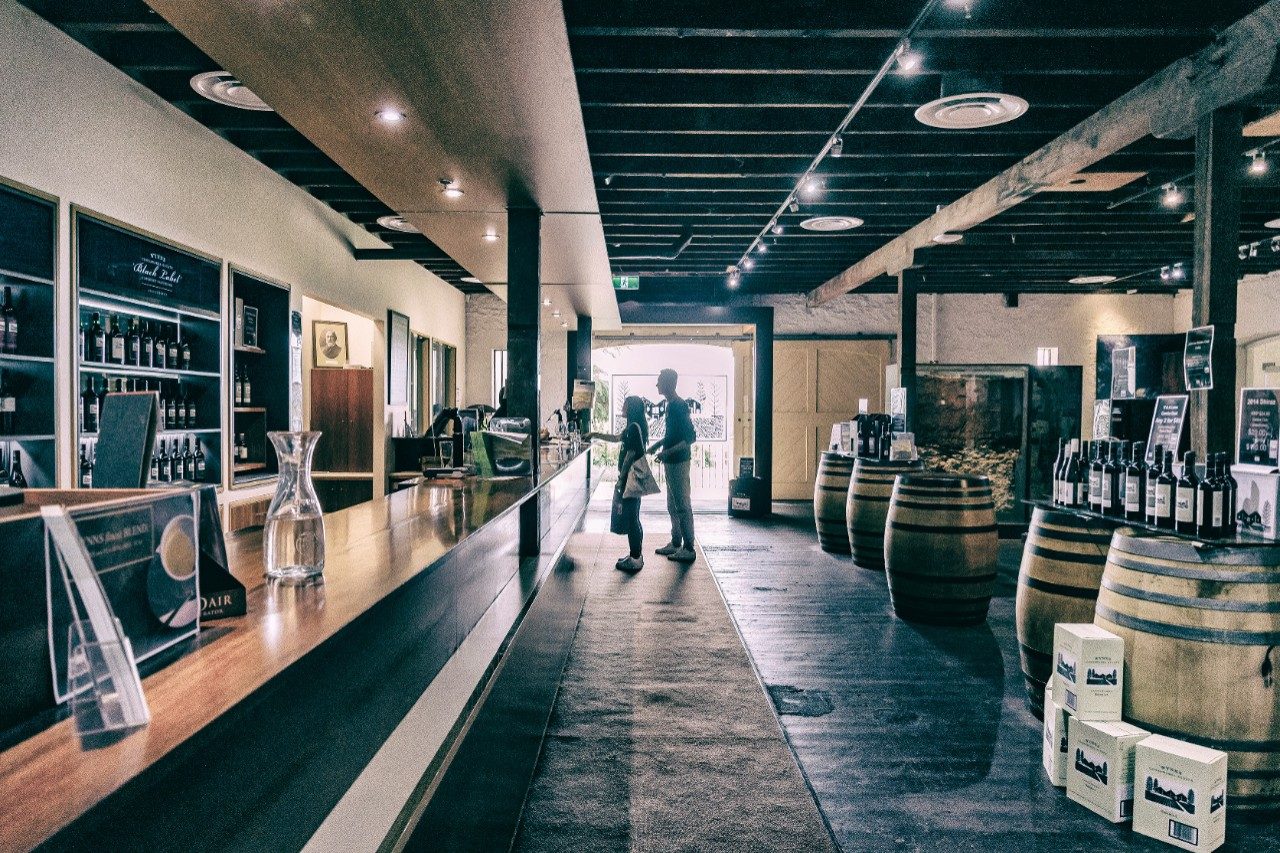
[{"x": 628, "y": 491}]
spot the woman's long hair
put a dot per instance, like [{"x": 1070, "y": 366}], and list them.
[{"x": 633, "y": 409}]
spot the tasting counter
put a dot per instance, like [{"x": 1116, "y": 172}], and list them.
[{"x": 261, "y": 724}]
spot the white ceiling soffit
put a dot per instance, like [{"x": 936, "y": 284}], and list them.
[{"x": 490, "y": 101}]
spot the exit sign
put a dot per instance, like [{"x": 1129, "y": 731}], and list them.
[{"x": 626, "y": 282}]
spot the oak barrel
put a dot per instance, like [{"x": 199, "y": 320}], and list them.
[
  {"x": 867, "y": 507},
  {"x": 829, "y": 494},
  {"x": 1058, "y": 582},
  {"x": 1201, "y": 629},
  {"x": 940, "y": 548}
]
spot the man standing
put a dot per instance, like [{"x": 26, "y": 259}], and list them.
[{"x": 674, "y": 455}]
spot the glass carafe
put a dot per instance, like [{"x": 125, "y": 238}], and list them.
[{"x": 293, "y": 537}]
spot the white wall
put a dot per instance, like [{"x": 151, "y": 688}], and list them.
[
  {"x": 76, "y": 127},
  {"x": 486, "y": 322}
]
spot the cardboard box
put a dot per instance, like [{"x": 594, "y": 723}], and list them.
[
  {"x": 1054, "y": 748},
  {"x": 1256, "y": 500},
  {"x": 1088, "y": 671},
  {"x": 1100, "y": 768},
  {"x": 1182, "y": 793}
]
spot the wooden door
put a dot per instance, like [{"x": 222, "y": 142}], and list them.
[
  {"x": 817, "y": 383},
  {"x": 342, "y": 409}
]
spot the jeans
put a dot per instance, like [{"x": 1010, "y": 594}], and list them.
[
  {"x": 678, "y": 503},
  {"x": 635, "y": 533}
]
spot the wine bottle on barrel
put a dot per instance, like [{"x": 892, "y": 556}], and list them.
[
  {"x": 1185, "y": 495},
  {"x": 1153, "y": 474},
  {"x": 1135, "y": 484},
  {"x": 1165, "y": 484}
]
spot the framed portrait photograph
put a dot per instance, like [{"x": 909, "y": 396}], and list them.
[{"x": 330, "y": 338}]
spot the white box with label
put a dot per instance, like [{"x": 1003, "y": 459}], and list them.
[
  {"x": 1054, "y": 748},
  {"x": 1088, "y": 671},
  {"x": 1100, "y": 766},
  {"x": 1259, "y": 491},
  {"x": 1182, "y": 793}
]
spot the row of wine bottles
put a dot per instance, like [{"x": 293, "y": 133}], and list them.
[
  {"x": 177, "y": 403},
  {"x": 1104, "y": 478},
  {"x": 171, "y": 464},
  {"x": 243, "y": 387},
  {"x": 107, "y": 342},
  {"x": 875, "y": 436},
  {"x": 8, "y": 323}
]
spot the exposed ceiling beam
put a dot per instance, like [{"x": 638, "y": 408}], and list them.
[
  {"x": 881, "y": 33},
  {"x": 1239, "y": 63}
]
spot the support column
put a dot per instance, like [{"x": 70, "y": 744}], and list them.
[
  {"x": 1216, "y": 271},
  {"x": 908, "y": 291},
  {"x": 524, "y": 329},
  {"x": 579, "y": 361},
  {"x": 764, "y": 399}
]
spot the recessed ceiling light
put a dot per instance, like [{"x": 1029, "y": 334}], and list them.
[
  {"x": 1172, "y": 196},
  {"x": 390, "y": 115},
  {"x": 947, "y": 238},
  {"x": 470, "y": 279},
  {"x": 777, "y": 228},
  {"x": 761, "y": 247},
  {"x": 490, "y": 236},
  {"x": 222, "y": 87},
  {"x": 449, "y": 188},
  {"x": 563, "y": 324},
  {"x": 1272, "y": 223},
  {"x": 1092, "y": 279},
  {"x": 734, "y": 279},
  {"x": 1131, "y": 291},
  {"x": 830, "y": 223},
  {"x": 555, "y": 313},
  {"x": 546, "y": 303},
  {"x": 397, "y": 223},
  {"x": 747, "y": 263},
  {"x": 909, "y": 61},
  {"x": 1258, "y": 165},
  {"x": 971, "y": 110}
]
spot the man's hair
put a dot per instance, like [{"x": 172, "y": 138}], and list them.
[{"x": 668, "y": 373}]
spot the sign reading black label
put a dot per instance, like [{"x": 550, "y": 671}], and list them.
[
  {"x": 117, "y": 262},
  {"x": 1197, "y": 359},
  {"x": 1166, "y": 425},
  {"x": 1259, "y": 442}
]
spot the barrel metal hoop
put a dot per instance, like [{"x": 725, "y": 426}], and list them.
[
  {"x": 925, "y": 492},
  {"x": 841, "y": 489},
  {"x": 859, "y": 497},
  {"x": 1216, "y": 743},
  {"x": 940, "y": 507},
  {"x": 925, "y": 528},
  {"x": 1180, "y": 632},
  {"x": 1035, "y": 654},
  {"x": 1058, "y": 589},
  {"x": 956, "y": 579},
  {"x": 1192, "y": 601},
  {"x": 948, "y": 481},
  {"x": 1206, "y": 574},
  {"x": 1101, "y": 540},
  {"x": 1068, "y": 556},
  {"x": 1182, "y": 550}
]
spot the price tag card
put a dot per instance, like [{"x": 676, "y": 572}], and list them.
[{"x": 1259, "y": 440}]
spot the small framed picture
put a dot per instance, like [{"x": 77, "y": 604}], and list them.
[
  {"x": 249, "y": 332},
  {"x": 330, "y": 342}
]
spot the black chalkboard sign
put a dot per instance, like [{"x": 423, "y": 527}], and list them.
[
  {"x": 119, "y": 262},
  {"x": 1259, "y": 427},
  {"x": 27, "y": 235},
  {"x": 1167, "y": 424},
  {"x": 1197, "y": 359}
]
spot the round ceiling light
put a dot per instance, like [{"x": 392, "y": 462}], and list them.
[
  {"x": 971, "y": 110},
  {"x": 830, "y": 223},
  {"x": 222, "y": 87},
  {"x": 397, "y": 223},
  {"x": 470, "y": 279},
  {"x": 947, "y": 238},
  {"x": 1273, "y": 223},
  {"x": 1092, "y": 279}
]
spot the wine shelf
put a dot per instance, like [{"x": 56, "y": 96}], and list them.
[
  {"x": 250, "y": 410},
  {"x": 265, "y": 367},
  {"x": 31, "y": 359},
  {"x": 246, "y": 467},
  {"x": 102, "y": 368},
  {"x": 249, "y": 349}
]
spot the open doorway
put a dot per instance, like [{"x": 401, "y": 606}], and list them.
[{"x": 707, "y": 382}]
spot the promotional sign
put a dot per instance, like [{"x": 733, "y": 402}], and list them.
[
  {"x": 1124, "y": 373},
  {"x": 1101, "y": 420},
  {"x": 125, "y": 264},
  {"x": 1259, "y": 441},
  {"x": 898, "y": 408},
  {"x": 1197, "y": 359},
  {"x": 1166, "y": 424}
]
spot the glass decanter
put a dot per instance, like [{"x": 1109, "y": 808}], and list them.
[{"x": 293, "y": 537}]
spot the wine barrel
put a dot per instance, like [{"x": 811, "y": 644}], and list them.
[
  {"x": 1201, "y": 629},
  {"x": 940, "y": 548},
  {"x": 829, "y": 492},
  {"x": 867, "y": 507},
  {"x": 1058, "y": 582}
]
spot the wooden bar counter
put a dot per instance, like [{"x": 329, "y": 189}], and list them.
[{"x": 261, "y": 724}]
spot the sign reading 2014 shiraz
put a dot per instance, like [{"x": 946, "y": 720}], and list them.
[
  {"x": 1166, "y": 425},
  {"x": 1259, "y": 427},
  {"x": 119, "y": 262}
]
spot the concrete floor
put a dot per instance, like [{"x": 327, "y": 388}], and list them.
[{"x": 911, "y": 738}]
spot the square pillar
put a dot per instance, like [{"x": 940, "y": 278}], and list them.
[{"x": 524, "y": 329}]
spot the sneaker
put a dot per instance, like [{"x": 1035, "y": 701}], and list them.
[
  {"x": 631, "y": 564},
  {"x": 667, "y": 550},
  {"x": 622, "y": 560},
  {"x": 684, "y": 555}
]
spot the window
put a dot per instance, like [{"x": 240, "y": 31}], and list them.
[{"x": 499, "y": 373}]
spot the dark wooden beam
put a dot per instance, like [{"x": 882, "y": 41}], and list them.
[
  {"x": 1239, "y": 63},
  {"x": 524, "y": 332},
  {"x": 1216, "y": 267},
  {"x": 399, "y": 253},
  {"x": 908, "y": 289}
]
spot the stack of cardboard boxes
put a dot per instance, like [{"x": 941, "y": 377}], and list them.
[{"x": 1096, "y": 756}]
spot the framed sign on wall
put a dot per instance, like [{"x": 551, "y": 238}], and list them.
[{"x": 397, "y": 359}]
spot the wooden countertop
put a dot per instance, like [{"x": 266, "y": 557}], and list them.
[{"x": 372, "y": 549}]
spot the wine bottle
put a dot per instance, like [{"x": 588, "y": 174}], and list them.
[
  {"x": 1059, "y": 462},
  {"x": 191, "y": 410},
  {"x": 1112, "y": 482},
  {"x": 155, "y": 465},
  {"x": 159, "y": 351},
  {"x": 97, "y": 339},
  {"x": 10, "y": 321},
  {"x": 8, "y": 405},
  {"x": 1209, "y": 501},
  {"x": 184, "y": 356},
  {"x": 88, "y": 407},
  {"x": 1230, "y": 497},
  {"x": 115, "y": 341},
  {"x": 134, "y": 348},
  {"x": 1153, "y": 474},
  {"x": 1071, "y": 479},
  {"x": 148, "y": 345},
  {"x": 163, "y": 462},
  {"x": 84, "y": 340},
  {"x": 1082, "y": 480},
  {"x": 172, "y": 353},
  {"x": 886, "y": 437},
  {"x": 243, "y": 452},
  {"x": 175, "y": 462},
  {"x": 1135, "y": 484},
  {"x": 1096, "y": 467},
  {"x": 239, "y": 392},
  {"x": 1185, "y": 495},
  {"x": 188, "y": 460},
  {"x": 171, "y": 413},
  {"x": 200, "y": 462},
  {"x": 86, "y": 468},
  {"x": 16, "y": 478},
  {"x": 1165, "y": 483}
]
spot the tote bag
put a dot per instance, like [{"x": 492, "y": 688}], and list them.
[{"x": 640, "y": 480}]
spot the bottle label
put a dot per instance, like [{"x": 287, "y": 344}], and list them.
[
  {"x": 1095, "y": 487},
  {"x": 8, "y": 403},
  {"x": 117, "y": 349},
  {"x": 1186, "y": 504},
  {"x": 1072, "y": 494},
  {"x": 1131, "y": 493},
  {"x": 1216, "y": 518},
  {"x": 1164, "y": 495},
  {"x": 1106, "y": 491},
  {"x": 1151, "y": 497}
]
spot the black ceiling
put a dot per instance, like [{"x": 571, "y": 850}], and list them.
[
  {"x": 129, "y": 35},
  {"x": 701, "y": 116}
]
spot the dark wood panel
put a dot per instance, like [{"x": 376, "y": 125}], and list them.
[
  {"x": 242, "y": 515},
  {"x": 342, "y": 409},
  {"x": 341, "y": 494}
]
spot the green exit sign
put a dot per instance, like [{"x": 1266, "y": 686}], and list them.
[{"x": 626, "y": 282}]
